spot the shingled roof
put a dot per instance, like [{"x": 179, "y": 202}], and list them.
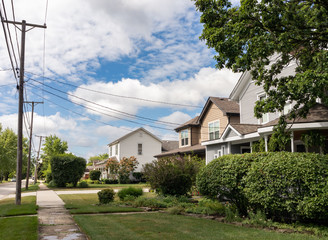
[
  {"x": 191, "y": 122},
  {"x": 318, "y": 113},
  {"x": 184, "y": 150},
  {"x": 245, "y": 128}
]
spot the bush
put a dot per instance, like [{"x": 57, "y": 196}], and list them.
[
  {"x": 67, "y": 168},
  {"x": 130, "y": 191},
  {"x": 83, "y": 184},
  {"x": 222, "y": 179},
  {"x": 148, "y": 202},
  {"x": 172, "y": 176},
  {"x": 111, "y": 181},
  {"x": 106, "y": 196},
  {"x": 289, "y": 186},
  {"x": 95, "y": 174},
  {"x": 208, "y": 207},
  {"x": 139, "y": 177}
]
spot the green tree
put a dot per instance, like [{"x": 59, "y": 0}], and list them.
[
  {"x": 266, "y": 36},
  {"x": 97, "y": 158},
  {"x": 8, "y": 152},
  {"x": 53, "y": 146}
]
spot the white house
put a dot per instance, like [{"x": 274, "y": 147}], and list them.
[{"x": 140, "y": 143}]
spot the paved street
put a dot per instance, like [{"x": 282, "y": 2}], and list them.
[{"x": 7, "y": 189}]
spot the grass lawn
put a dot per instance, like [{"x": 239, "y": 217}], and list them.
[
  {"x": 86, "y": 203},
  {"x": 101, "y": 186},
  {"x": 9, "y": 208},
  {"x": 22, "y": 228},
  {"x": 31, "y": 188},
  {"x": 164, "y": 226}
]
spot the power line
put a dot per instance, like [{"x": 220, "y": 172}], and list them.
[
  {"x": 112, "y": 109},
  {"x": 127, "y": 120},
  {"x": 117, "y": 95},
  {"x": 13, "y": 11},
  {"x": 85, "y": 116},
  {"x": 7, "y": 44}
]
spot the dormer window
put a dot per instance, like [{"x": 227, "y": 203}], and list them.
[
  {"x": 214, "y": 130},
  {"x": 184, "y": 137}
]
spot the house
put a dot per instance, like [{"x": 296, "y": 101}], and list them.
[
  {"x": 238, "y": 137},
  {"x": 209, "y": 125},
  {"x": 140, "y": 143}
]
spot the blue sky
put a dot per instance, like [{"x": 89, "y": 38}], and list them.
[{"x": 141, "y": 49}]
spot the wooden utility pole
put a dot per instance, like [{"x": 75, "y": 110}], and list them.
[
  {"x": 30, "y": 146},
  {"x": 37, "y": 161},
  {"x": 20, "y": 108}
]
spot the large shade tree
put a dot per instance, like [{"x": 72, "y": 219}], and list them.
[{"x": 248, "y": 35}]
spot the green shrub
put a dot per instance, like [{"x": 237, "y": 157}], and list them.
[
  {"x": 106, "y": 196},
  {"x": 130, "y": 191},
  {"x": 51, "y": 184},
  {"x": 149, "y": 202},
  {"x": 172, "y": 176},
  {"x": 207, "y": 207},
  {"x": 110, "y": 181},
  {"x": 83, "y": 184},
  {"x": 67, "y": 168},
  {"x": 176, "y": 210},
  {"x": 222, "y": 179},
  {"x": 95, "y": 175},
  {"x": 289, "y": 186}
]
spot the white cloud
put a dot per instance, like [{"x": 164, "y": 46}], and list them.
[
  {"x": 176, "y": 117},
  {"x": 194, "y": 91}
]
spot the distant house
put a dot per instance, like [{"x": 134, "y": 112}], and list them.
[
  {"x": 209, "y": 125},
  {"x": 140, "y": 143}
]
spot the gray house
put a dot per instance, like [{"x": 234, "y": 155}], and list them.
[{"x": 239, "y": 137}]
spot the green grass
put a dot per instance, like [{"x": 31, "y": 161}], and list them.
[
  {"x": 22, "y": 228},
  {"x": 164, "y": 226},
  {"x": 101, "y": 186},
  {"x": 9, "y": 208},
  {"x": 31, "y": 188},
  {"x": 87, "y": 203}
]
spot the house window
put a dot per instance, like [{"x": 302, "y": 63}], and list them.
[
  {"x": 184, "y": 137},
  {"x": 245, "y": 149},
  {"x": 139, "y": 148},
  {"x": 265, "y": 116},
  {"x": 116, "y": 149},
  {"x": 213, "y": 129},
  {"x": 110, "y": 151},
  {"x": 287, "y": 108}
]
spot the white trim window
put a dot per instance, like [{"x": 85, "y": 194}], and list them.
[
  {"x": 265, "y": 116},
  {"x": 110, "y": 151},
  {"x": 116, "y": 149},
  {"x": 184, "y": 137},
  {"x": 214, "y": 130},
  {"x": 287, "y": 108},
  {"x": 139, "y": 148}
]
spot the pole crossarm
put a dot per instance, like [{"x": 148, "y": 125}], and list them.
[{"x": 26, "y": 24}]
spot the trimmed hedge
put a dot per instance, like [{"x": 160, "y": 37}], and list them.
[
  {"x": 67, "y": 169},
  {"x": 106, "y": 195},
  {"x": 284, "y": 185},
  {"x": 130, "y": 191}
]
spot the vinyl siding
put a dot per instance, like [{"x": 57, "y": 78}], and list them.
[
  {"x": 213, "y": 114},
  {"x": 195, "y": 136}
]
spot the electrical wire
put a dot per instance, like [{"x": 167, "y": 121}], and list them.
[
  {"x": 112, "y": 109},
  {"x": 13, "y": 11},
  {"x": 117, "y": 95}
]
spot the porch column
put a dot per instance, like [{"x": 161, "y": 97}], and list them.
[
  {"x": 266, "y": 142},
  {"x": 229, "y": 148},
  {"x": 292, "y": 142},
  {"x": 250, "y": 145}
]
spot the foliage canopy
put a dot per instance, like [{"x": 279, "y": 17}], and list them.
[{"x": 264, "y": 37}]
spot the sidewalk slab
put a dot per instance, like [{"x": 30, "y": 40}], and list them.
[{"x": 55, "y": 221}]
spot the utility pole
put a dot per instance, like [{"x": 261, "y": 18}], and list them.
[
  {"x": 20, "y": 108},
  {"x": 30, "y": 146},
  {"x": 37, "y": 160}
]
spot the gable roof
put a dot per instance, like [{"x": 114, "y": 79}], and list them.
[
  {"x": 190, "y": 123},
  {"x": 226, "y": 105},
  {"x": 131, "y": 133},
  {"x": 168, "y": 145}
]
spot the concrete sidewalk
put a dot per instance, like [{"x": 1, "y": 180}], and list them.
[{"x": 55, "y": 221}]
